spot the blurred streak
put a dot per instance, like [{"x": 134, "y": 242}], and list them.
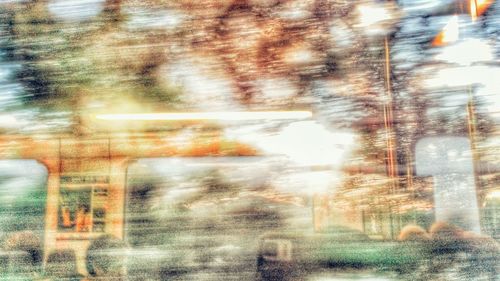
[
  {"x": 8, "y": 121},
  {"x": 463, "y": 76},
  {"x": 75, "y": 10},
  {"x": 323, "y": 146},
  {"x": 479, "y": 7},
  {"x": 467, "y": 52},
  {"x": 377, "y": 18},
  {"x": 228, "y": 116},
  {"x": 144, "y": 19},
  {"x": 494, "y": 195},
  {"x": 370, "y": 15},
  {"x": 389, "y": 118},
  {"x": 449, "y": 34}
]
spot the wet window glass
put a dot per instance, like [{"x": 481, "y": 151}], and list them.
[{"x": 249, "y": 139}]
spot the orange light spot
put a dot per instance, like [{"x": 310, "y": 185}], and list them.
[
  {"x": 479, "y": 7},
  {"x": 449, "y": 34}
]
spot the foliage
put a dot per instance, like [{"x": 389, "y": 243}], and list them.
[{"x": 65, "y": 64}]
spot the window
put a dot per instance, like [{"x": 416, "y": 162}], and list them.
[{"x": 82, "y": 203}]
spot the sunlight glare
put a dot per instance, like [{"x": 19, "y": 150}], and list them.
[
  {"x": 449, "y": 34},
  {"x": 228, "y": 116}
]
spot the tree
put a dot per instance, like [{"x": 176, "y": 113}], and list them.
[{"x": 74, "y": 66}]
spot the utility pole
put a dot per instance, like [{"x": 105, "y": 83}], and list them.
[{"x": 392, "y": 169}]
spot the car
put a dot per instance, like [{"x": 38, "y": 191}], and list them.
[{"x": 299, "y": 256}]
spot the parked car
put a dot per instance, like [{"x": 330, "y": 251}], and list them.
[{"x": 299, "y": 256}]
